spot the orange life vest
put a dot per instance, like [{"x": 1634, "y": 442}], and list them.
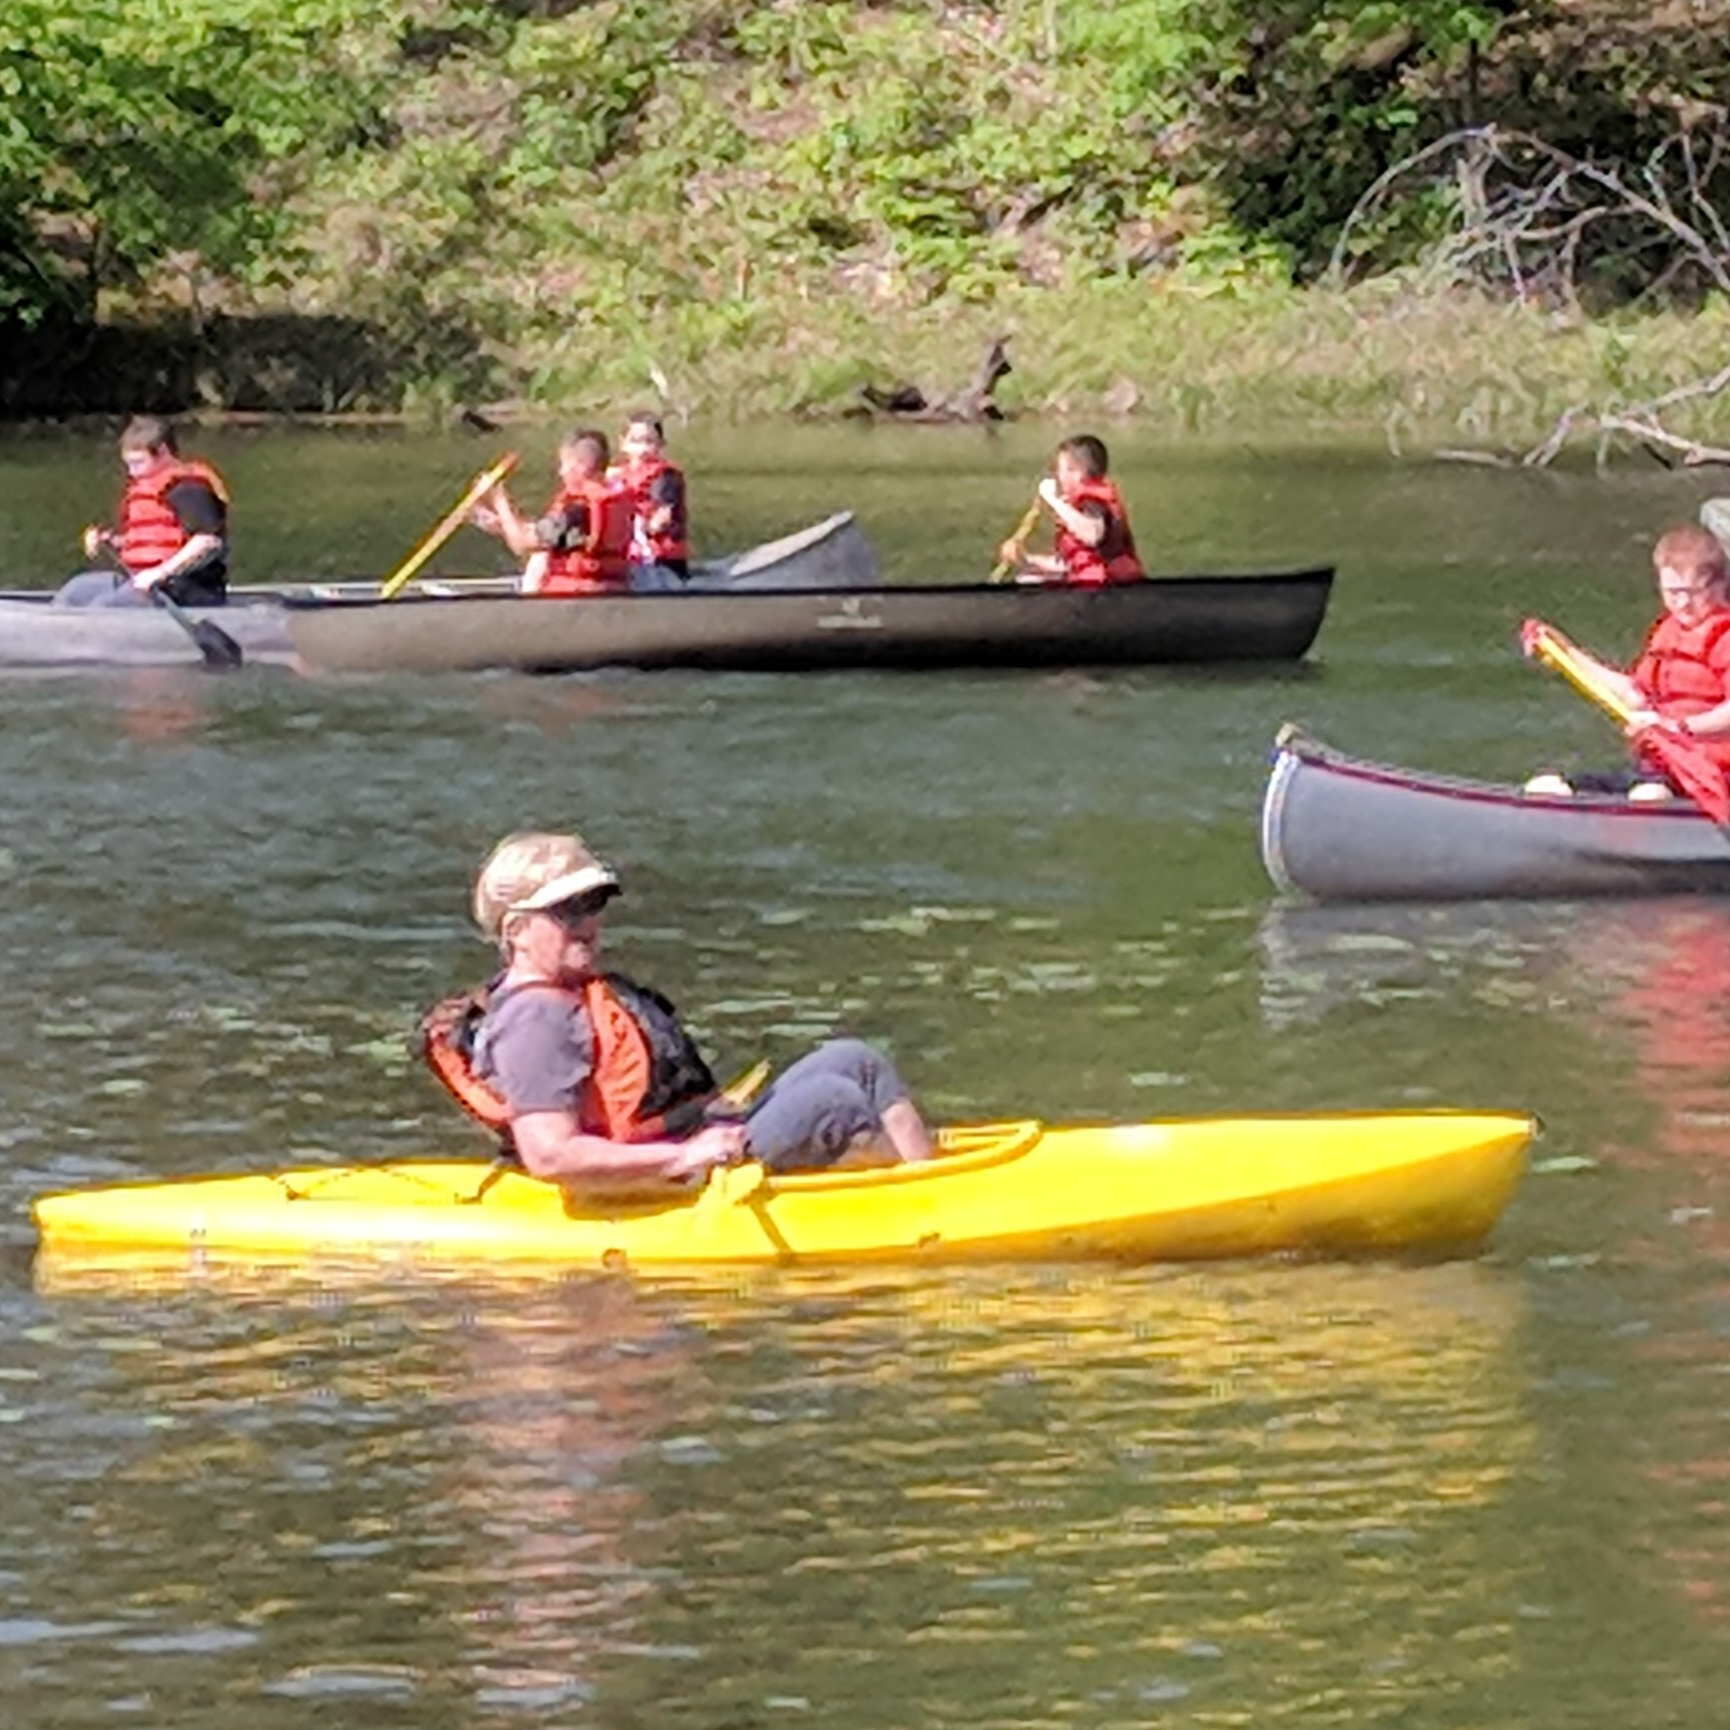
[
  {"x": 1676, "y": 668},
  {"x": 673, "y": 542},
  {"x": 1114, "y": 560},
  {"x": 1685, "y": 670},
  {"x": 602, "y": 562},
  {"x": 149, "y": 530},
  {"x": 648, "y": 1080}
]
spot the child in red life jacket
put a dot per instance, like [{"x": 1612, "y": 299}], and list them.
[
  {"x": 1682, "y": 677},
  {"x": 172, "y": 534},
  {"x": 593, "y": 1078},
  {"x": 581, "y": 544},
  {"x": 660, "y": 535},
  {"x": 1092, "y": 543}
]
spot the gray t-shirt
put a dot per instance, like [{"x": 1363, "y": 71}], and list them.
[{"x": 536, "y": 1048}]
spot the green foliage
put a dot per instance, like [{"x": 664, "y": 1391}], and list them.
[
  {"x": 134, "y": 130},
  {"x": 1302, "y": 104},
  {"x": 547, "y": 196}
]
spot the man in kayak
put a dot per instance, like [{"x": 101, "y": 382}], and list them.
[
  {"x": 581, "y": 544},
  {"x": 172, "y": 534},
  {"x": 593, "y": 1078},
  {"x": 1092, "y": 543},
  {"x": 660, "y": 537}
]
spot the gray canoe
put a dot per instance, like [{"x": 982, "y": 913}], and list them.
[
  {"x": 1255, "y": 618},
  {"x": 1336, "y": 828},
  {"x": 833, "y": 554}
]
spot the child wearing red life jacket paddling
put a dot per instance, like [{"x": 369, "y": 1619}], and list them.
[
  {"x": 172, "y": 533},
  {"x": 592, "y": 1078},
  {"x": 660, "y": 533},
  {"x": 1681, "y": 681},
  {"x": 1092, "y": 542},
  {"x": 580, "y": 545},
  {"x": 1683, "y": 674}
]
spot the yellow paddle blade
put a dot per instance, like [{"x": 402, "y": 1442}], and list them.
[
  {"x": 744, "y": 1089},
  {"x": 1545, "y": 643},
  {"x": 448, "y": 524},
  {"x": 1022, "y": 530}
]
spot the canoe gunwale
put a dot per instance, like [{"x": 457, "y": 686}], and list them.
[
  {"x": 36, "y": 636},
  {"x": 1336, "y": 828},
  {"x": 1217, "y": 619},
  {"x": 1000, "y": 594}
]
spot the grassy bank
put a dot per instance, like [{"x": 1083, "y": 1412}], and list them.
[
  {"x": 1415, "y": 371},
  {"x": 1420, "y": 371}
]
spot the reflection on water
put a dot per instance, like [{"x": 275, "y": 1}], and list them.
[
  {"x": 1646, "y": 987},
  {"x": 1317, "y": 959},
  {"x": 493, "y": 1496}
]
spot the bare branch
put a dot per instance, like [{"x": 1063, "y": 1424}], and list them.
[
  {"x": 1649, "y": 432},
  {"x": 1530, "y": 220}
]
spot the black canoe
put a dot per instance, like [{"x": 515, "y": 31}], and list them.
[
  {"x": 1336, "y": 828},
  {"x": 1167, "y": 619},
  {"x": 833, "y": 554}
]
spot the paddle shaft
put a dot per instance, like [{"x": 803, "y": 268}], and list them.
[
  {"x": 744, "y": 1089},
  {"x": 1022, "y": 530},
  {"x": 1565, "y": 657},
  {"x": 448, "y": 525},
  {"x": 219, "y": 652}
]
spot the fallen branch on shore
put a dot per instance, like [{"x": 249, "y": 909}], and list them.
[{"x": 974, "y": 402}]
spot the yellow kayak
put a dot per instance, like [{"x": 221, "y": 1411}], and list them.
[{"x": 1178, "y": 1190}]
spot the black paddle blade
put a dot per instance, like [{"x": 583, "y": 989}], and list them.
[{"x": 220, "y": 651}]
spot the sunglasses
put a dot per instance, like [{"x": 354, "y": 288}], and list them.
[{"x": 576, "y": 913}]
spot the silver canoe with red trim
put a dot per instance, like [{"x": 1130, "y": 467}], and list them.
[{"x": 1337, "y": 828}]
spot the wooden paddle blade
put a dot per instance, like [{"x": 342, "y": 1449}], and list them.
[{"x": 1688, "y": 767}]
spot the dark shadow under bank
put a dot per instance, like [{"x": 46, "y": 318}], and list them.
[{"x": 276, "y": 363}]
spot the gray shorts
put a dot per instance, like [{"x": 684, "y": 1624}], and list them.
[
  {"x": 817, "y": 1108},
  {"x": 99, "y": 589}
]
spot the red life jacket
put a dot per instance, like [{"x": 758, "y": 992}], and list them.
[
  {"x": 602, "y": 562},
  {"x": 149, "y": 530},
  {"x": 1114, "y": 560},
  {"x": 1685, "y": 670},
  {"x": 648, "y": 1080},
  {"x": 673, "y": 542}
]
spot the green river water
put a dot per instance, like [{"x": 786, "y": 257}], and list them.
[{"x": 1486, "y": 1492}]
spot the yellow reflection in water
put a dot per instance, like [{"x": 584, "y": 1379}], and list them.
[{"x": 1051, "y": 1487}]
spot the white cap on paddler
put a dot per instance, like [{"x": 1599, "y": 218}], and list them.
[{"x": 532, "y": 870}]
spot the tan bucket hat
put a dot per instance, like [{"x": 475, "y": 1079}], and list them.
[{"x": 531, "y": 870}]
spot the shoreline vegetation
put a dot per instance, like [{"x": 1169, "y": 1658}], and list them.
[{"x": 1439, "y": 224}]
